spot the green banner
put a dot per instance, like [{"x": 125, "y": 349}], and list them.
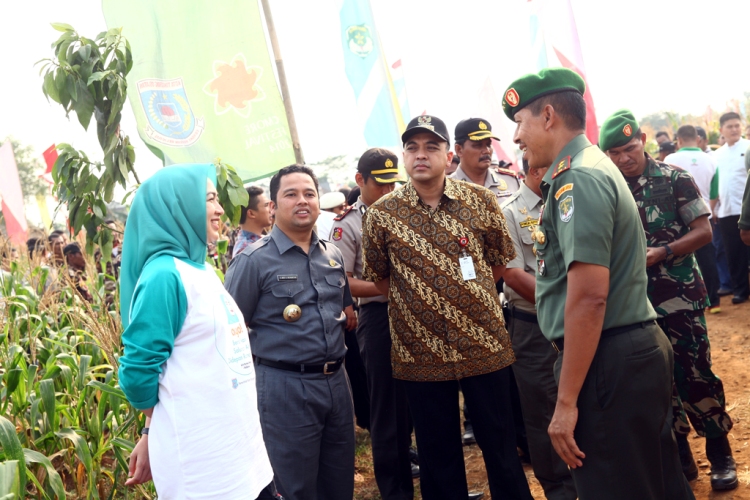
[{"x": 202, "y": 85}]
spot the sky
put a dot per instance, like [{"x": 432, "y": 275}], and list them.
[{"x": 646, "y": 55}]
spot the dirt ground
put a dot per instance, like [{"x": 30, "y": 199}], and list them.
[{"x": 729, "y": 332}]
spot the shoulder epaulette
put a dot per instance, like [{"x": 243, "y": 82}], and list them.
[
  {"x": 562, "y": 166},
  {"x": 341, "y": 217},
  {"x": 253, "y": 247},
  {"x": 510, "y": 199},
  {"x": 506, "y": 171}
]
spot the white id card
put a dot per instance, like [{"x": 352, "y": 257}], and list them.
[{"x": 467, "y": 268}]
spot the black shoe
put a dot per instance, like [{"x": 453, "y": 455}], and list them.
[
  {"x": 476, "y": 495},
  {"x": 723, "y": 292},
  {"x": 723, "y": 468},
  {"x": 686, "y": 457},
  {"x": 414, "y": 471},
  {"x": 739, "y": 299},
  {"x": 468, "y": 437}
]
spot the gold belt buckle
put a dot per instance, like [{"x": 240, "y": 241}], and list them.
[{"x": 325, "y": 367}]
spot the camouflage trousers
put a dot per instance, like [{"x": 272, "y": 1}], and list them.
[{"x": 697, "y": 393}]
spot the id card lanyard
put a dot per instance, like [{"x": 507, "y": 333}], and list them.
[{"x": 465, "y": 261}]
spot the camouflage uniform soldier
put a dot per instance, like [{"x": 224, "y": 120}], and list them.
[{"x": 675, "y": 218}]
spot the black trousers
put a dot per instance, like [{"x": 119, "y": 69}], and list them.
[
  {"x": 434, "y": 408},
  {"x": 390, "y": 423},
  {"x": 706, "y": 257},
  {"x": 736, "y": 255},
  {"x": 355, "y": 368},
  {"x": 624, "y": 421}
]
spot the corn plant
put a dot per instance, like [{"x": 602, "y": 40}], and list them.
[{"x": 66, "y": 429}]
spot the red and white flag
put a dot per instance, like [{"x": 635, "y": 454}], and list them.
[
  {"x": 11, "y": 196},
  {"x": 554, "y": 37},
  {"x": 50, "y": 157}
]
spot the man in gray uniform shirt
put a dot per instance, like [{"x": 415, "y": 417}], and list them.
[
  {"x": 535, "y": 357},
  {"x": 292, "y": 290},
  {"x": 474, "y": 148},
  {"x": 390, "y": 427}
]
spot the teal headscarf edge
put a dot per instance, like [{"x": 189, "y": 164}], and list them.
[{"x": 167, "y": 217}]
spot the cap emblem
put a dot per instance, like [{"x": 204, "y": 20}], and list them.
[
  {"x": 627, "y": 130},
  {"x": 482, "y": 126},
  {"x": 511, "y": 97},
  {"x": 388, "y": 163},
  {"x": 423, "y": 120}
]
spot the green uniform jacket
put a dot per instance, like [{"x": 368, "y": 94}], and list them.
[
  {"x": 745, "y": 214},
  {"x": 589, "y": 216}
]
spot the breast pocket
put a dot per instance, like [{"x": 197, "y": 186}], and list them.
[
  {"x": 335, "y": 292},
  {"x": 286, "y": 293}
]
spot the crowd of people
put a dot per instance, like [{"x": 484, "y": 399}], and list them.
[{"x": 566, "y": 302}]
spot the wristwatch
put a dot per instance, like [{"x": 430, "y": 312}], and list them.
[
  {"x": 669, "y": 251},
  {"x": 144, "y": 431}
]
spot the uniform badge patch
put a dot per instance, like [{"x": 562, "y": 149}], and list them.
[
  {"x": 562, "y": 166},
  {"x": 562, "y": 190},
  {"x": 627, "y": 130},
  {"x": 337, "y": 233},
  {"x": 511, "y": 97},
  {"x": 566, "y": 208}
]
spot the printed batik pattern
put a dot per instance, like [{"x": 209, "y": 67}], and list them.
[{"x": 442, "y": 326}]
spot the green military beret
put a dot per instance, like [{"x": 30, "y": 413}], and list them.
[
  {"x": 617, "y": 130},
  {"x": 531, "y": 87}
]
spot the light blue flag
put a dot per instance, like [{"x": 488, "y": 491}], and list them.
[{"x": 368, "y": 73}]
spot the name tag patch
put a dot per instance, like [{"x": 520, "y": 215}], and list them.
[
  {"x": 286, "y": 277},
  {"x": 562, "y": 190}
]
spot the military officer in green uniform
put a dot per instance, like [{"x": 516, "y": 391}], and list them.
[
  {"x": 474, "y": 148},
  {"x": 614, "y": 367},
  {"x": 535, "y": 356},
  {"x": 675, "y": 219}
]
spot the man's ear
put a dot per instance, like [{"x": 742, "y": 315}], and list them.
[
  {"x": 550, "y": 116},
  {"x": 359, "y": 179},
  {"x": 459, "y": 149}
]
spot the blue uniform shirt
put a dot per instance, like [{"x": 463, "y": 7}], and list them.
[{"x": 273, "y": 273}]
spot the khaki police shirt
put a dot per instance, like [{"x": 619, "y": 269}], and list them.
[
  {"x": 521, "y": 211},
  {"x": 589, "y": 216},
  {"x": 346, "y": 234},
  {"x": 503, "y": 185}
]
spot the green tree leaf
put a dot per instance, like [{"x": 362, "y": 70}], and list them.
[{"x": 62, "y": 27}]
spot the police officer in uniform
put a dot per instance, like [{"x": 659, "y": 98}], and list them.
[
  {"x": 535, "y": 357},
  {"x": 292, "y": 290},
  {"x": 675, "y": 219},
  {"x": 614, "y": 367},
  {"x": 390, "y": 428},
  {"x": 474, "y": 148}
]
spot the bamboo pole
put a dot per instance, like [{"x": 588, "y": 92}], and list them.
[{"x": 282, "y": 82}]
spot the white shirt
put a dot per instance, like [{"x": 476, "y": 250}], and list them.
[
  {"x": 205, "y": 440},
  {"x": 698, "y": 164},
  {"x": 324, "y": 224},
  {"x": 730, "y": 162}
]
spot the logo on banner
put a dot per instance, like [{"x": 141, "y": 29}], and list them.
[
  {"x": 360, "y": 40},
  {"x": 171, "y": 120},
  {"x": 235, "y": 86}
]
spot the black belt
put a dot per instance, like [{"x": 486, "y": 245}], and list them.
[
  {"x": 524, "y": 316},
  {"x": 559, "y": 344},
  {"x": 327, "y": 368}
]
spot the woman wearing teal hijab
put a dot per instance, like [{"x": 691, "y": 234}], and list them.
[{"x": 187, "y": 362}]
